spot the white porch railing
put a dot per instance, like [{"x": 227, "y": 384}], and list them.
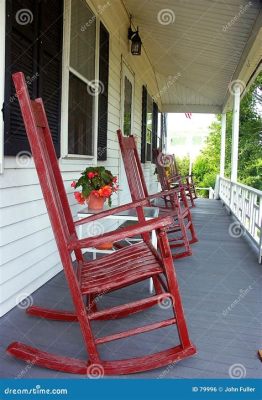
[
  {"x": 245, "y": 203},
  {"x": 211, "y": 192}
]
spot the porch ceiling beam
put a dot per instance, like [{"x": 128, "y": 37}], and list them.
[{"x": 193, "y": 108}]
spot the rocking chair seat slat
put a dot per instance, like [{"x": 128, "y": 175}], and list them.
[{"x": 132, "y": 267}]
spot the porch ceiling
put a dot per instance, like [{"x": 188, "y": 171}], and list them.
[{"x": 198, "y": 47}]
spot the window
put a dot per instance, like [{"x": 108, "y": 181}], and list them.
[
  {"x": 144, "y": 124},
  {"x": 80, "y": 123},
  {"x": 159, "y": 135},
  {"x": 34, "y": 48},
  {"x": 149, "y": 126},
  {"x": 164, "y": 130},
  {"x": 127, "y": 107},
  {"x": 83, "y": 88}
]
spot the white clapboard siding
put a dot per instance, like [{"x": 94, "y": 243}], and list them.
[{"x": 28, "y": 252}]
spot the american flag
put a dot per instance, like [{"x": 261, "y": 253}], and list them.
[{"x": 188, "y": 115}]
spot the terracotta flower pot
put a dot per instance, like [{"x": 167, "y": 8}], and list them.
[
  {"x": 105, "y": 246},
  {"x": 95, "y": 203}
]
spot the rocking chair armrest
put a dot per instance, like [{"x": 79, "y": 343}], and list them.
[
  {"x": 115, "y": 210},
  {"x": 176, "y": 180},
  {"x": 113, "y": 236},
  {"x": 158, "y": 195}
]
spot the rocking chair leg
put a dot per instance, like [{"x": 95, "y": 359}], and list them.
[
  {"x": 191, "y": 197},
  {"x": 176, "y": 299},
  {"x": 194, "y": 238},
  {"x": 157, "y": 285},
  {"x": 185, "y": 238}
]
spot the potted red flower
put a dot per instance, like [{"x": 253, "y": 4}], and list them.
[{"x": 98, "y": 184}]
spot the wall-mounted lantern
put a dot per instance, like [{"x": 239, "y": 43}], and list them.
[{"x": 136, "y": 42}]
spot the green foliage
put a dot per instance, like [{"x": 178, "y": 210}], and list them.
[
  {"x": 206, "y": 166},
  {"x": 96, "y": 180},
  {"x": 183, "y": 165}
]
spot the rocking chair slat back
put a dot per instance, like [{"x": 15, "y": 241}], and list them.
[
  {"x": 133, "y": 167},
  {"x": 52, "y": 186},
  {"x": 161, "y": 162},
  {"x": 45, "y": 160},
  {"x": 46, "y": 165}
]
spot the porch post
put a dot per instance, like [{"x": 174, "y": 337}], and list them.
[
  {"x": 223, "y": 145},
  {"x": 235, "y": 132}
]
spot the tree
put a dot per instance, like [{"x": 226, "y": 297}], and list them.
[{"x": 206, "y": 166}]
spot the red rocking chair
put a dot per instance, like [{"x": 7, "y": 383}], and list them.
[
  {"x": 186, "y": 181},
  {"x": 170, "y": 181},
  {"x": 182, "y": 219},
  {"x": 91, "y": 278}
]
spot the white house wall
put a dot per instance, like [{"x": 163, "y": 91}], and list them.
[{"x": 28, "y": 251}]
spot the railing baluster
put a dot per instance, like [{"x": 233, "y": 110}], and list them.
[{"x": 246, "y": 204}]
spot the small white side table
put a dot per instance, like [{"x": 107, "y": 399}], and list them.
[{"x": 129, "y": 215}]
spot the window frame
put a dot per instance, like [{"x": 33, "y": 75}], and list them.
[
  {"x": 66, "y": 69},
  {"x": 127, "y": 72},
  {"x": 149, "y": 146}
]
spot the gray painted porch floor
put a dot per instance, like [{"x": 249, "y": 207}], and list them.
[{"x": 221, "y": 292}]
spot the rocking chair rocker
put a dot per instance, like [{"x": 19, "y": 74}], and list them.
[
  {"x": 178, "y": 208},
  {"x": 91, "y": 278}
]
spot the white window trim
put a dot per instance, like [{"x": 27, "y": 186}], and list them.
[
  {"x": 2, "y": 86},
  {"x": 65, "y": 87},
  {"x": 126, "y": 71}
]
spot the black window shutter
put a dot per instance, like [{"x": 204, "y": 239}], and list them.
[
  {"x": 103, "y": 95},
  {"x": 35, "y": 48},
  {"x": 154, "y": 128},
  {"x": 144, "y": 123},
  {"x": 50, "y": 63}
]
